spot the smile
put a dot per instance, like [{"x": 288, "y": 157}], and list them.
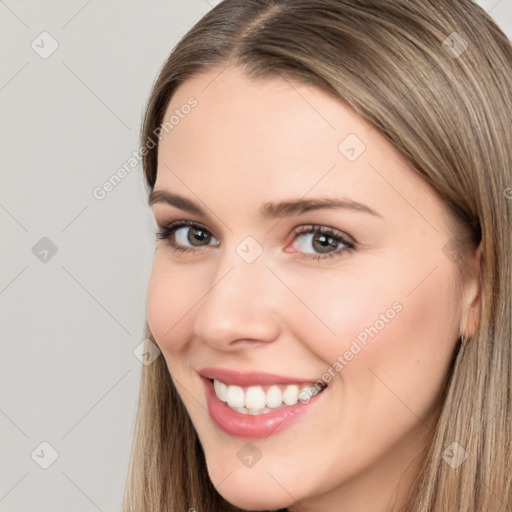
[
  {"x": 256, "y": 400},
  {"x": 257, "y": 405}
]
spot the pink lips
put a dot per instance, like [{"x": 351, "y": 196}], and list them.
[
  {"x": 242, "y": 379},
  {"x": 246, "y": 425}
]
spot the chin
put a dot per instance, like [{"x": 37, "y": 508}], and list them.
[
  {"x": 251, "y": 494},
  {"x": 257, "y": 500}
]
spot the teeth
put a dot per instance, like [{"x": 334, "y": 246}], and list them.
[
  {"x": 221, "y": 390},
  {"x": 274, "y": 397},
  {"x": 291, "y": 395},
  {"x": 254, "y": 400},
  {"x": 235, "y": 396}
]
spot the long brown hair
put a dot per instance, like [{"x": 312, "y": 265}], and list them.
[{"x": 435, "y": 78}]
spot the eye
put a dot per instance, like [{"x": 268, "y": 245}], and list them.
[
  {"x": 183, "y": 236},
  {"x": 321, "y": 242},
  {"x": 317, "y": 242}
]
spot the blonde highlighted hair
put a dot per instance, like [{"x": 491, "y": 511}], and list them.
[{"x": 435, "y": 78}]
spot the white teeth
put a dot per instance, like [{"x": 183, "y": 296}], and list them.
[
  {"x": 274, "y": 397},
  {"x": 235, "y": 396},
  {"x": 291, "y": 395},
  {"x": 254, "y": 400},
  {"x": 220, "y": 389}
]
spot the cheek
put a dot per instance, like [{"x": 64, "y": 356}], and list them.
[
  {"x": 340, "y": 313},
  {"x": 170, "y": 297},
  {"x": 405, "y": 353},
  {"x": 378, "y": 320}
]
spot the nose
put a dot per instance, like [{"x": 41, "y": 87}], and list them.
[{"x": 240, "y": 306}]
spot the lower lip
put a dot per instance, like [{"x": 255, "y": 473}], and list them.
[{"x": 254, "y": 426}]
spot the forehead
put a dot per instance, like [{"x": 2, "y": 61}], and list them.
[
  {"x": 271, "y": 123},
  {"x": 279, "y": 138}
]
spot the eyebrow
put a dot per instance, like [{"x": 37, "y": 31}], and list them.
[{"x": 269, "y": 210}]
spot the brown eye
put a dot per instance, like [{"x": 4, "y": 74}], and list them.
[
  {"x": 183, "y": 236},
  {"x": 194, "y": 236},
  {"x": 321, "y": 242}
]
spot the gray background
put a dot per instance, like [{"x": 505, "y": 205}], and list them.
[{"x": 70, "y": 321}]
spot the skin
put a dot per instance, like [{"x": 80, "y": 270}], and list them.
[{"x": 245, "y": 144}]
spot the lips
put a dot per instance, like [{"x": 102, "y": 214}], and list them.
[
  {"x": 246, "y": 379},
  {"x": 255, "y": 422}
]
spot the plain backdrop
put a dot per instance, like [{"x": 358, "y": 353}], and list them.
[{"x": 74, "y": 79}]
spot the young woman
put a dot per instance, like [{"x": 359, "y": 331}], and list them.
[{"x": 331, "y": 286}]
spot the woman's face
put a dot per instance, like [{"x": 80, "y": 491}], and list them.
[{"x": 363, "y": 297}]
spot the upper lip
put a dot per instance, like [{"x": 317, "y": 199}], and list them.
[{"x": 241, "y": 378}]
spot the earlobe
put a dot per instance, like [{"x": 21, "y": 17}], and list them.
[{"x": 472, "y": 298}]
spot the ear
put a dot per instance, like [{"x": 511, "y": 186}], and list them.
[{"x": 471, "y": 300}]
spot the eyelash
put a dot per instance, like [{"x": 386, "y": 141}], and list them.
[{"x": 166, "y": 233}]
